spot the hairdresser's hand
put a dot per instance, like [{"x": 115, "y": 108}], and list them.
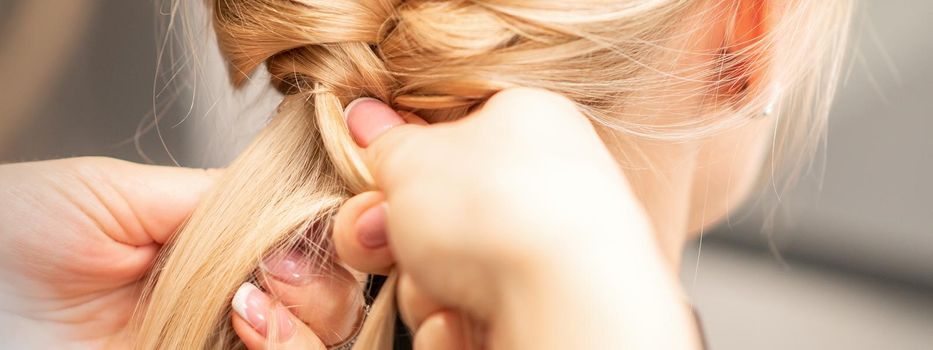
[
  {"x": 517, "y": 218},
  {"x": 76, "y": 237}
]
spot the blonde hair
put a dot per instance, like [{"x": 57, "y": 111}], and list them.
[{"x": 439, "y": 59}]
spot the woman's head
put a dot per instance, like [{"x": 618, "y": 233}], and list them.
[{"x": 689, "y": 74}]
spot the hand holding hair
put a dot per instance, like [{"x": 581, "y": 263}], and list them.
[
  {"x": 79, "y": 235},
  {"x": 516, "y": 217}
]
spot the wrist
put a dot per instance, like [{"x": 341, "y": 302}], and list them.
[{"x": 626, "y": 297}]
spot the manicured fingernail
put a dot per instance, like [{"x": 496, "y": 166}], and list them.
[
  {"x": 256, "y": 308},
  {"x": 371, "y": 227},
  {"x": 367, "y": 118},
  {"x": 290, "y": 267}
]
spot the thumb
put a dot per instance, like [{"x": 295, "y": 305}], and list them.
[
  {"x": 384, "y": 135},
  {"x": 145, "y": 203}
]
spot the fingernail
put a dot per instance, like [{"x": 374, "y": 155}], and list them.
[
  {"x": 290, "y": 267},
  {"x": 371, "y": 227},
  {"x": 256, "y": 308},
  {"x": 367, "y": 118}
]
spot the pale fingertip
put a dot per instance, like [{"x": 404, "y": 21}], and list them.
[
  {"x": 354, "y": 103},
  {"x": 240, "y": 297},
  {"x": 369, "y": 118},
  {"x": 254, "y": 306}
]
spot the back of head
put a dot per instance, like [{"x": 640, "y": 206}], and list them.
[{"x": 440, "y": 59}]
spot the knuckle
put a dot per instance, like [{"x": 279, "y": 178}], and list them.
[
  {"x": 91, "y": 168},
  {"x": 541, "y": 110},
  {"x": 532, "y": 99},
  {"x": 529, "y": 94}
]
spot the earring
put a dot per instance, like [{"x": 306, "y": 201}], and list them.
[{"x": 772, "y": 101}]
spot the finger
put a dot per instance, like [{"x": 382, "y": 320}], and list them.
[
  {"x": 147, "y": 203},
  {"x": 360, "y": 236},
  {"x": 414, "y": 305},
  {"x": 326, "y": 296},
  {"x": 369, "y": 120},
  {"x": 303, "y": 339},
  {"x": 255, "y": 314},
  {"x": 443, "y": 331}
]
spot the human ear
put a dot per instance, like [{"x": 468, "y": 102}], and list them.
[{"x": 744, "y": 48}]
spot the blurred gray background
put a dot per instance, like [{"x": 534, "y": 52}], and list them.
[{"x": 854, "y": 268}]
